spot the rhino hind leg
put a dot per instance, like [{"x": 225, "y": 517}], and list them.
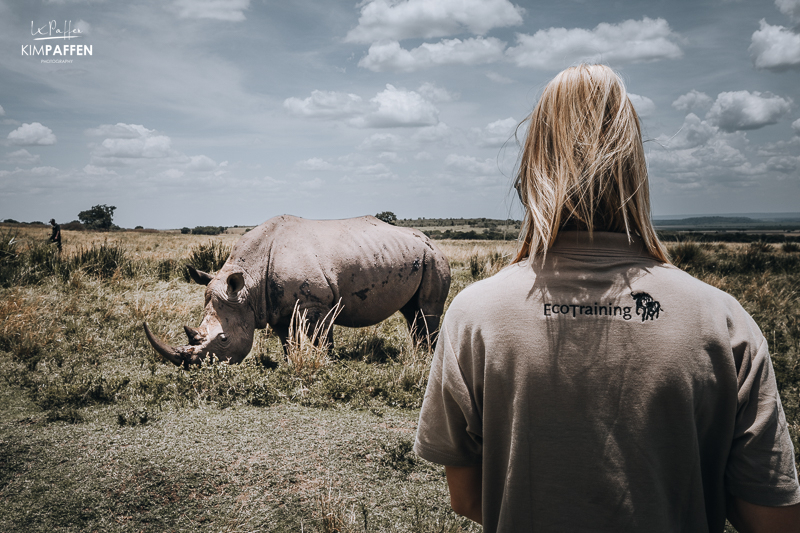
[
  {"x": 425, "y": 309},
  {"x": 421, "y": 326}
]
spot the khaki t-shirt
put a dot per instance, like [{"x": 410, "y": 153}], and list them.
[{"x": 606, "y": 391}]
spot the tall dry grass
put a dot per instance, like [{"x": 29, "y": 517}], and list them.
[{"x": 308, "y": 347}]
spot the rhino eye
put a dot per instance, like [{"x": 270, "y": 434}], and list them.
[{"x": 223, "y": 337}]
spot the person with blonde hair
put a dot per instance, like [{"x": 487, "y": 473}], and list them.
[{"x": 591, "y": 385}]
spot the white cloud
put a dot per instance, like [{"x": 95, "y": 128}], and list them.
[
  {"x": 631, "y": 41},
  {"x": 693, "y": 133},
  {"x": 775, "y": 48},
  {"x": 790, "y": 8},
  {"x": 391, "y": 157},
  {"x": 382, "y": 142},
  {"x": 693, "y": 100},
  {"x": 120, "y": 131},
  {"x": 151, "y": 152},
  {"x": 93, "y": 170},
  {"x": 398, "y": 108},
  {"x": 404, "y": 19},
  {"x": 34, "y": 134},
  {"x": 472, "y": 165},
  {"x": 434, "y": 93},
  {"x": 327, "y": 104},
  {"x": 498, "y": 78},
  {"x": 796, "y": 126},
  {"x": 150, "y": 147},
  {"x": 353, "y": 167},
  {"x": 44, "y": 171},
  {"x": 643, "y": 105},
  {"x": 314, "y": 163},
  {"x": 22, "y": 157},
  {"x": 172, "y": 174},
  {"x": 2, "y": 111},
  {"x": 84, "y": 27},
  {"x": 742, "y": 110},
  {"x": 201, "y": 163},
  {"x": 784, "y": 164},
  {"x": 227, "y": 10},
  {"x": 432, "y": 134},
  {"x": 497, "y": 133},
  {"x": 314, "y": 184},
  {"x": 388, "y": 55}
]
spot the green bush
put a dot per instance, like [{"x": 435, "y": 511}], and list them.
[
  {"x": 684, "y": 254},
  {"x": 790, "y": 247},
  {"x": 208, "y": 257},
  {"x": 208, "y": 230},
  {"x": 102, "y": 261}
]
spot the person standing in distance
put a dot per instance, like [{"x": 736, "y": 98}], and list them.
[
  {"x": 55, "y": 234},
  {"x": 591, "y": 386}
]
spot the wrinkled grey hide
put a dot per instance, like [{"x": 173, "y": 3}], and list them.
[{"x": 375, "y": 268}]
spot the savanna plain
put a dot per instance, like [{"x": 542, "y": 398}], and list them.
[{"x": 98, "y": 434}]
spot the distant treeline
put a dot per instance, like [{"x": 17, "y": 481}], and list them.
[
  {"x": 75, "y": 225},
  {"x": 488, "y": 235},
  {"x": 204, "y": 230},
  {"x": 666, "y": 236},
  {"x": 471, "y": 222}
]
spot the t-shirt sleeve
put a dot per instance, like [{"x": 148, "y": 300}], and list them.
[
  {"x": 761, "y": 468},
  {"x": 450, "y": 427}
]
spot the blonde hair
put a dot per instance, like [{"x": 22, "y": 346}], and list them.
[{"x": 583, "y": 163}]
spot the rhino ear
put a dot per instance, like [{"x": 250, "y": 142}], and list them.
[
  {"x": 235, "y": 283},
  {"x": 199, "y": 277}
]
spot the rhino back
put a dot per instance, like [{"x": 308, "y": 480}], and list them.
[{"x": 375, "y": 268}]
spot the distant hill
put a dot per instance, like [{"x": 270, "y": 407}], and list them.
[{"x": 708, "y": 221}]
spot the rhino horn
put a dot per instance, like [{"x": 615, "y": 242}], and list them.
[
  {"x": 168, "y": 352},
  {"x": 195, "y": 337},
  {"x": 199, "y": 277}
]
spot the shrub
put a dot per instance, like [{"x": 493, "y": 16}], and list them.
[
  {"x": 75, "y": 225},
  {"x": 485, "y": 264},
  {"x": 208, "y": 257},
  {"x": 102, "y": 261},
  {"x": 687, "y": 254},
  {"x": 759, "y": 247},
  {"x": 790, "y": 247},
  {"x": 167, "y": 268},
  {"x": 10, "y": 262}
]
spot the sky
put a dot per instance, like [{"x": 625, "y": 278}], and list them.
[{"x": 229, "y": 112}]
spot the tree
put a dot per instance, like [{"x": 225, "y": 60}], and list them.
[
  {"x": 387, "y": 216},
  {"x": 98, "y": 217}
]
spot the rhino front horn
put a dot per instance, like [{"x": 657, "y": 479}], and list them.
[{"x": 168, "y": 352}]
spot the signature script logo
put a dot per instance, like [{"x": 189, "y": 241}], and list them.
[{"x": 52, "y": 31}]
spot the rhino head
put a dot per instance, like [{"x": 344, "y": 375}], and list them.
[{"x": 228, "y": 322}]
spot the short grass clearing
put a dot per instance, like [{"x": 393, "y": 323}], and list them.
[{"x": 244, "y": 468}]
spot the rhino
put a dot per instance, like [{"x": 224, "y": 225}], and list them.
[{"x": 370, "y": 268}]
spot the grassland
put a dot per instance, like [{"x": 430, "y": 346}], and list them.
[{"x": 97, "y": 434}]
